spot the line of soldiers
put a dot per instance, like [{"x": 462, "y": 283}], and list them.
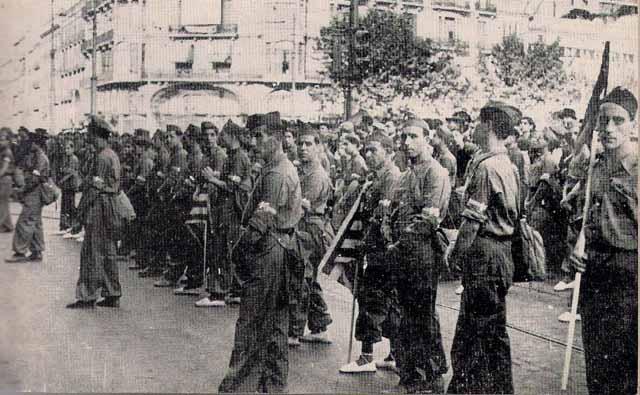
[{"x": 249, "y": 212}]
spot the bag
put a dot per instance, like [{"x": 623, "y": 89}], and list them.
[
  {"x": 124, "y": 207},
  {"x": 49, "y": 193},
  {"x": 528, "y": 253}
]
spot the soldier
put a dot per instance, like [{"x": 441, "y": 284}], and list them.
[
  {"x": 352, "y": 168},
  {"x": 233, "y": 185},
  {"x": 98, "y": 266},
  {"x": 28, "y": 234},
  {"x": 419, "y": 204},
  {"x": 609, "y": 294},
  {"x": 310, "y": 307},
  {"x": 7, "y": 166},
  {"x": 290, "y": 147},
  {"x": 459, "y": 124},
  {"x": 69, "y": 183},
  {"x": 481, "y": 353},
  {"x": 378, "y": 314},
  {"x": 265, "y": 252}
]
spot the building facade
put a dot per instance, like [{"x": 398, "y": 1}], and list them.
[{"x": 186, "y": 61}]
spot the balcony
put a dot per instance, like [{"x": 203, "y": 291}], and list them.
[
  {"x": 101, "y": 6},
  {"x": 103, "y": 41},
  {"x": 452, "y": 5},
  {"x": 218, "y": 31}
]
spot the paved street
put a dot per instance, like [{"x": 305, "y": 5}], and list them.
[{"x": 158, "y": 342}]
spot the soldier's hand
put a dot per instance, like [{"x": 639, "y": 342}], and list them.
[
  {"x": 306, "y": 204},
  {"x": 208, "y": 174},
  {"x": 98, "y": 182},
  {"x": 235, "y": 179}
]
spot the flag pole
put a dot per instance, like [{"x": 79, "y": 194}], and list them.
[{"x": 353, "y": 312}]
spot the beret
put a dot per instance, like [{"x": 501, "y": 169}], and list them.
[
  {"x": 232, "y": 129},
  {"x": 207, "y": 125},
  {"x": 417, "y": 123},
  {"x": 174, "y": 128},
  {"x": 624, "y": 98},
  {"x": 567, "y": 113},
  {"x": 505, "y": 112}
]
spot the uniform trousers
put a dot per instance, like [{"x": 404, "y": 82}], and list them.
[
  {"x": 260, "y": 356},
  {"x": 481, "y": 351},
  {"x": 6, "y": 224},
  {"x": 67, "y": 209},
  {"x": 609, "y": 309},
  {"x": 28, "y": 234}
]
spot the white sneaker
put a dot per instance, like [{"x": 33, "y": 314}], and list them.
[
  {"x": 459, "y": 290},
  {"x": 206, "y": 302},
  {"x": 68, "y": 235},
  {"x": 321, "y": 337},
  {"x": 80, "y": 239},
  {"x": 293, "y": 341},
  {"x": 78, "y": 235},
  {"x": 359, "y": 366},
  {"x": 562, "y": 286},
  {"x": 386, "y": 364},
  {"x": 566, "y": 317},
  {"x": 62, "y": 232}
]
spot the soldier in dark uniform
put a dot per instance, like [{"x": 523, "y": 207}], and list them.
[
  {"x": 29, "y": 235},
  {"x": 265, "y": 252},
  {"x": 98, "y": 266},
  {"x": 481, "y": 352},
  {"x": 310, "y": 307},
  {"x": 379, "y": 313},
  {"x": 420, "y": 202},
  {"x": 233, "y": 185},
  {"x": 609, "y": 293}
]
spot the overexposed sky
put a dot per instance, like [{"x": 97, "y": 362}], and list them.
[{"x": 21, "y": 17}]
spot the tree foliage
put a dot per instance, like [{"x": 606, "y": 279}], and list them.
[{"x": 540, "y": 64}]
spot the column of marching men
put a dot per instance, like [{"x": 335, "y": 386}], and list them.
[{"x": 248, "y": 212}]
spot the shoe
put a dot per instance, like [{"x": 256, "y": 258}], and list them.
[
  {"x": 234, "y": 299},
  {"x": 148, "y": 272},
  {"x": 293, "y": 341},
  {"x": 566, "y": 317},
  {"x": 163, "y": 283},
  {"x": 387, "y": 364},
  {"x": 17, "y": 258},
  {"x": 459, "y": 290},
  {"x": 109, "y": 302},
  {"x": 77, "y": 235},
  {"x": 206, "y": 302},
  {"x": 186, "y": 291},
  {"x": 80, "y": 239},
  {"x": 68, "y": 235},
  {"x": 80, "y": 304},
  {"x": 62, "y": 232},
  {"x": 361, "y": 365},
  {"x": 321, "y": 337},
  {"x": 563, "y": 286},
  {"x": 34, "y": 258}
]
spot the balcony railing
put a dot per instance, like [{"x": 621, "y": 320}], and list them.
[
  {"x": 203, "y": 31},
  {"x": 486, "y": 8},
  {"x": 452, "y": 5},
  {"x": 101, "y": 5},
  {"x": 103, "y": 40}
]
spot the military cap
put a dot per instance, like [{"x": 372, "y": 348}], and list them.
[
  {"x": 142, "y": 137},
  {"x": 380, "y": 137},
  {"x": 417, "y": 123},
  {"x": 174, "y": 128},
  {"x": 99, "y": 127},
  {"x": 433, "y": 123},
  {"x": 232, "y": 129},
  {"x": 504, "y": 115},
  {"x": 253, "y": 121},
  {"x": 460, "y": 116},
  {"x": 352, "y": 138},
  {"x": 208, "y": 125},
  {"x": 624, "y": 98},
  {"x": 567, "y": 113},
  {"x": 23, "y": 129}
]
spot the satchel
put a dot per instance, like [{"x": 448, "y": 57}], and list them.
[
  {"x": 49, "y": 193},
  {"x": 528, "y": 253}
]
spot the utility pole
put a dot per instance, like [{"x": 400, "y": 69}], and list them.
[
  {"x": 293, "y": 56},
  {"x": 52, "y": 74},
  {"x": 94, "y": 77},
  {"x": 353, "y": 22}
]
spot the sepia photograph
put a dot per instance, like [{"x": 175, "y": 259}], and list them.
[{"x": 319, "y": 196}]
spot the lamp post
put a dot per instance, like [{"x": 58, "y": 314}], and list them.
[
  {"x": 94, "y": 77},
  {"x": 52, "y": 74}
]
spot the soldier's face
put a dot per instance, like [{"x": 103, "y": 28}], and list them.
[
  {"x": 289, "y": 141},
  {"x": 212, "y": 136},
  {"x": 375, "y": 155},
  {"x": 266, "y": 145},
  {"x": 307, "y": 148},
  {"x": 614, "y": 126},
  {"x": 525, "y": 126},
  {"x": 415, "y": 141}
]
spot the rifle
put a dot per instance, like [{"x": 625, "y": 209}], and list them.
[{"x": 591, "y": 119}]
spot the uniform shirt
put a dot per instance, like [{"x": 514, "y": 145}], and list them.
[
  {"x": 179, "y": 159},
  {"x": 36, "y": 162},
  {"x": 218, "y": 159},
  {"x": 353, "y": 166},
  {"x": 613, "y": 215},
  {"x": 231, "y": 200},
  {"x": 316, "y": 186},
  {"x": 492, "y": 194},
  {"x": 108, "y": 169},
  {"x": 70, "y": 168},
  {"x": 448, "y": 161},
  {"x": 164, "y": 158},
  {"x": 279, "y": 186},
  {"x": 425, "y": 184},
  {"x": 146, "y": 167}
]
